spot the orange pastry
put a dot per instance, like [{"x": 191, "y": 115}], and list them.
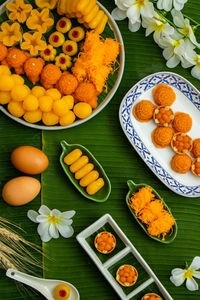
[
  {"x": 86, "y": 92},
  {"x": 3, "y": 51},
  {"x": 196, "y": 148},
  {"x": 127, "y": 275},
  {"x": 181, "y": 143},
  {"x": 50, "y": 76},
  {"x": 33, "y": 68},
  {"x": 143, "y": 111},
  {"x": 105, "y": 242},
  {"x": 182, "y": 122},
  {"x": 16, "y": 59},
  {"x": 151, "y": 296},
  {"x": 196, "y": 167},
  {"x": 181, "y": 163},
  {"x": 163, "y": 116},
  {"x": 67, "y": 84},
  {"x": 163, "y": 94},
  {"x": 162, "y": 136}
]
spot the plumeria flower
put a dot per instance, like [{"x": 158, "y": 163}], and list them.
[
  {"x": 52, "y": 222},
  {"x": 167, "y": 4},
  {"x": 134, "y": 10},
  {"x": 184, "y": 26},
  {"x": 179, "y": 275},
  {"x": 191, "y": 58}
]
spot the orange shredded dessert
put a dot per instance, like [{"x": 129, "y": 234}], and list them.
[
  {"x": 162, "y": 136},
  {"x": 181, "y": 163},
  {"x": 196, "y": 148},
  {"x": 163, "y": 116},
  {"x": 181, "y": 143},
  {"x": 105, "y": 242},
  {"x": 162, "y": 225},
  {"x": 141, "y": 199},
  {"x": 196, "y": 167},
  {"x": 143, "y": 111},
  {"x": 182, "y": 122},
  {"x": 127, "y": 275},
  {"x": 163, "y": 94},
  {"x": 151, "y": 296},
  {"x": 151, "y": 211}
]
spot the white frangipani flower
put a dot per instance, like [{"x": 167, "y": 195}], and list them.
[
  {"x": 191, "y": 58},
  {"x": 167, "y": 4},
  {"x": 52, "y": 222},
  {"x": 179, "y": 275}
]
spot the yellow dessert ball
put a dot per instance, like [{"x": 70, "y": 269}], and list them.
[
  {"x": 4, "y": 70},
  {"x": 45, "y": 103},
  {"x": 67, "y": 119},
  {"x": 33, "y": 116},
  {"x": 19, "y": 80},
  {"x": 60, "y": 108},
  {"x": 5, "y": 97},
  {"x": 28, "y": 89},
  {"x": 38, "y": 91},
  {"x": 16, "y": 109},
  {"x": 54, "y": 94},
  {"x": 49, "y": 118},
  {"x": 6, "y": 83},
  {"x": 82, "y": 110},
  {"x": 19, "y": 92},
  {"x": 69, "y": 100},
  {"x": 61, "y": 292},
  {"x": 30, "y": 103}
]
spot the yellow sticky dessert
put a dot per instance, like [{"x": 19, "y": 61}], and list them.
[
  {"x": 61, "y": 292},
  {"x": 127, "y": 275},
  {"x": 181, "y": 143},
  {"x": 105, "y": 242},
  {"x": 163, "y": 116}
]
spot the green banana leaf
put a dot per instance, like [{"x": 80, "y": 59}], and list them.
[{"x": 103, "y": 136}]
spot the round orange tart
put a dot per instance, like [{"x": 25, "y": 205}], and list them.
[
  {"x": 182, "y": 122},
  {"x": 196, "y": 167},
  {"x": 164, "y": 95},
  {"x": 163, "y": 115},
  {"x": 105, "y": 242},
  {"x": 143, "y": 111},
  {"x": 127, "y": 275},
  {"x": 162, "y": 136},
  {"x": 181, "y": 163},
  {"x": 196, "y": 148},
  {"x": 181, "y": 143},
  {"x": 151, "y": 296}
]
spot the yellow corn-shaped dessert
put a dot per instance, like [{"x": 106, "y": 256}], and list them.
[
  {"x": 77, "y": 165},
  {"x": 84, "y": 171},
  {"x": 88, "y": 18},
  {"x": 82, "y": 5},
  {"x": 89, "y": 178},
  {"x": 72, "y": 156},
  {"x": 95, "y": 186},
  {"x": 89, "y": 7},
  {"x": 93, "y": 24},
  {"x": 100, "y": 27}
]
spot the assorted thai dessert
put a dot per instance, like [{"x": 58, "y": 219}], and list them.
[
  {"x": 105, "y": 242},
  {"x": 163, "y": 116},
  {"x": 151, "y": 296},
  {"x": 196, "y": 167},
  {"x": 164, "y": 95},
  {"x": 182, "y": 122},
  {"x": 196, "y": 148},
  {"x": 143, "y": 111},
  {"x": 127, "y": 275},
  {"x": 181, "y": 143},
  {"x": 181, "y": 163},
  {"x": 162, "y": 136}
]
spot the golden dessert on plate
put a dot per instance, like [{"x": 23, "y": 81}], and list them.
[
  {"x": 151, "y": 296},
  {"x": 162, "y": 136},
  {"x": 143, "y": 111},
  {"x": 163, "y": 116},
  {"x": 163, "y": 94},
  {"x": 105, "y": 242},
  {"x": 196, "y": 167},
  {"x": 181, "y": 163},
  {"x": 181, "y": 143},
  {"x": 182, "y": 122},
  {"x": 196, "y": 148},
  {"x": 127, "y": 275}
]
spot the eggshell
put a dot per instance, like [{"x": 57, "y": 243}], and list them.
[
  {"x": 29, "y": 160},
  {"x": 20, "y": 190}
]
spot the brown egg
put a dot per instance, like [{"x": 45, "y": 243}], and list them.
[
  {"x": 20, "y": 190},
  {"x": 29, "y": 160}
]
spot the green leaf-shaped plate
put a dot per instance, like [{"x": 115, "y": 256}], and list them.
[
  {"x": 133, "y": 188},
  {"x": 103, "y": 194}
]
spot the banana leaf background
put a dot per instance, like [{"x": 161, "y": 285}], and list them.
[{"x": 103, "y": 136}]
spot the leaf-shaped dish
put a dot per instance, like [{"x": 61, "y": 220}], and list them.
[
  {"x": 103, "y": 194},
  {"x": 133, "y": 188}
]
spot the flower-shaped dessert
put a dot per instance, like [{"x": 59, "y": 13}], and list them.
[
  {"x": 10, "y": 34},
  {"x": 163, "y": 94},
  {"x": 40, "y": 20},
  {"x": 143, "y": 111},
  {"x": 70, "y": 47},
  {"x": 127, "y": 275},
  {"x": 51, "y": 4},
  {"x": 33, "y": 68},
  {"x": 181, "y": 163},
  {"x": 196, "y": 167},
  {"x": 182, "y": 122},
  {"x": 105, "y": 242},
  {"x": 50, "y": 76},
  {"x": 49, "y": 53},
  {"x": 163, "y": 116},
  {"x": 19, "y": 10},
  {"x": 33, "y": 42},
  {"x": 16, "y": 59},
  {"x": 76, "y": 34},
  {"x": 56, "y": 39},
  {"x": 63, "y": 61},
  {"x": 151, "y": 296},
  {"x": 196, "y": 148},
  {"x": 64, "y": 25},
  {"x": 3, "y": 51},
  {"x": 181, "y": 143},
  {"x": 162, "y": 136}
]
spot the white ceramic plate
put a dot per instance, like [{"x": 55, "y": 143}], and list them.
[
  {"x": 118, "y": 37},
  {"x": 139, "y": 134}
]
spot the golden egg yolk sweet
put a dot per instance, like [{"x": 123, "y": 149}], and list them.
[
  {"x": 61, "y": 292},
  {"x": 181, "y": 143},
  {"x": 76, "y": 34},
  {"x": 162, "y": 136},
  {"x": 151, "y": 296},
  {"x": 127, "y": 275},
  {"x": 163, "y": 94},
  {"x": 196, "y": 167},
  {"x": 181, "y": 163},
  {"x": 163, "y": 116},
  {"x": 105, "y": 242},
  {"x": 182, "y": 122},
  {"x": 196, "y": 148},
  {"x": 143, "y": 111}
]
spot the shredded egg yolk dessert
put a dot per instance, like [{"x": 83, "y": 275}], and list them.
[
  {"x": 196, "y": 167},
  {"x": 105, "y": 242},
  {"x": 182, "y": 122},
  {"x": 151, "y": 296},
  {"x": 127, "y": 275},
  {"x": 162, "y": 136},
  {"x": 164, "y": 95},
  {"x": 143, "y": 111},
  {"x": 196, "y": 148},
  {"x": 163, "y": 116},
  {"x": 181, "y": 143},
  {"x": 181, "y": 163}
]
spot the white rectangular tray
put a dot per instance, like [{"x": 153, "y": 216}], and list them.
[{"x": 128, "y": 248}]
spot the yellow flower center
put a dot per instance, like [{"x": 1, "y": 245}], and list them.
[
  {"x": 189, "y": 273},
  {"x": 140, "y": 2},
  {"x": 186, "y": 31},
  {"x": 52, "y": 219},
  {"x": 159, "y": 27},
  {"x": 177, "y": 43}
]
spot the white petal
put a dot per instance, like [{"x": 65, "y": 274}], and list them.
[
  {"x": 177, "y": 277},
  {"x": 66, "y": 222},
  {"x": 178, "y": 5},
  {"x": 65, "y": 231},
  {"x": 148, "y": 10},
  {"x": 44, "y": 210},
  {"x": 53, "y": 231},
  {"x": 32, "y": 215},
  {"x": 173, "y": 61},
  {"x": 177, "y": 272},
  {"x": 191, "y": 284},
  {"x": 195, "y": 265},
  {"x": 134, "y": 27},
  {"x": 42, "y": 228},
  {"x": 168, "y": 53},
  {"x": 133, "y": 13},
  {"x": 68, "y": 214},
  {"x": 42, "y": 218},
  {"x": 178, "y": 18},
  {"x": 196, "y": 274},
  {"x": 56, "y": 212},
  {"x": 196, "y": 72},
  {"x": 118, "y": 14},
  {"x": 45, "y": 237},
  {"x": 166, "y": 5}
]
